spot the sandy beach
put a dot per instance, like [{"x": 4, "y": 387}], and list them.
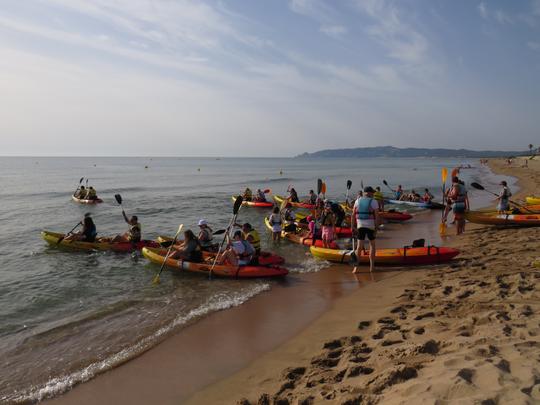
[{"x": 463, "y": 333}]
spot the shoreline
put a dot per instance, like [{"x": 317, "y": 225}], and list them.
[{"x": 157, "y": 367}]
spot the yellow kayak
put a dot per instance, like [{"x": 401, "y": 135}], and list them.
[
  {"x": 532, "y": 200},
  {"x": 503, "y": 219},
  {"x": 57, "y": 240}
]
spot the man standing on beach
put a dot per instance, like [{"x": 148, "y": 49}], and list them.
[
  {"x": 364, "y": 221},
  {"x": 503, "y": 203}
]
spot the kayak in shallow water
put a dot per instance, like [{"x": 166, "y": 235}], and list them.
[
  {"x": 84, "y": 201},
  {"x": 300, "y": 238},
  {"x": 406, "y": 256},
  {"x": 421, "y": 204},
  {"x": 53, "y": 237},
  {"x": 532, "y": 200},
  {"x": 157, "y": 256},
  {"x": 264, "y": 258},
  {"x": 388, "y": 216},
  {"x": 503, "y": 219},
  {"x": 260, "y": 204},
  {"x": 279, "y": 199}
]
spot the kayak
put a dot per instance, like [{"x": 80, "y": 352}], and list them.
[
  {"x": 341, "y": 231},
  {"x": 503, "y": 219},
  {"x": 529, "y": 209},
  {"x": 265, "y": 258},
  {"x": 301, "y": 239},
  {"x": 389, "y": 216},
  {"x": 53, "y": 237},
  {"x": 260, "y": 204},
  {"x": 157, "y": 256},
  {"x": 532, "y": 200},
  {"x": 431, "y": 205},
  {"x": 279, "y": 199},
  {"x": 391, "y": 257},
  {"x": 84, "y": 201}
]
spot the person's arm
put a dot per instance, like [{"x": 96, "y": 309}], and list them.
[
  {"x": 125, "y": 217},
  {"x": 353, "y": 218}
]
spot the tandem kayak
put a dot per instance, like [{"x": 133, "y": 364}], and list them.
[
  {"x": 406, "y": 256},
  {"x": 260, "y": 204},
  {"x": 279, "y": 199},
  {"x": 503, "y": 219},
  {"x": 157, "y": 256},
  {"x": 84, "y": 201},
  {"x": 532, "y": 200},
  {"x": 264, "y": 258},
  {"x": 431, "y": 205},
  {"x": 53, "y": 237},
  {"x": 300, "y": 238}
]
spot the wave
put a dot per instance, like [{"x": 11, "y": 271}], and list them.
[{"x": 61, "y": 384}]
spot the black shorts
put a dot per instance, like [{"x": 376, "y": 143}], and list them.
[{"x": 363, "y": 232}]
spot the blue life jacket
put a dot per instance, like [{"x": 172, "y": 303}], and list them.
[{"x": 364, "y": 210}]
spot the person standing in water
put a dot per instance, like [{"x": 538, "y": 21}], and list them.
[
  {"x": 364, "y": 221},
  {"x": 460, "y": 203}
]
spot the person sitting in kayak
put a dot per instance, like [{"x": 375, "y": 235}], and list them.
[
  {"x": 253, "y": 237},
  {"x": 414, "y": 196},
  {"x": 205, "y": 235},
  {"x": 503, "y": 198},
  {"x": 190, "y": 248},
  {"x": 238, "y": 253},
  {"x": 134, "y": 233},
  {"x": 260, "y": 196},
  {"x": 88, "y": 232},
  {"x": 328, "y": 224},
  {"x": 91, "y": 194},
  {"x": 289, "y": 218},
  {"x": 293, "y": 196},
  {"x": 275, "y": 222},
  {"x": 80, "y": 193},
  {"x": 428, "y": 197},
  {"x": 378, "y": 196},
  {"x": 248, "y": 195},
  {"x": 312, "y": 198}
]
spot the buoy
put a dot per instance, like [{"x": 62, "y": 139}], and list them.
[
  {"x": 146, "y": 167},
  {"x": 280, "y": 172},
  {"x": 198, "y": 169}
]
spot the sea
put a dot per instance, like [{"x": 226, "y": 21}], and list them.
[{"x": 67, "y": 316}]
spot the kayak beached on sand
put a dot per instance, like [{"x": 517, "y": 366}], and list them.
[
  {"x": 53, "y": 239},
  {"x": 157, "y": 256},
  {"x": 84, "y": 201},
  {"x": 260, "y": 204},
  {"x": 299, "y": 238},
  {"x": 408, "y": 256},
  {"x": 503, "y": 219}
]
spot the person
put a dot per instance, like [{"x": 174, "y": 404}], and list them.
[
  {"x": 134, "y": 233},
  {"x": 328, "y": 224},
  {"x": 460, "y": 202},
  {"x": 260, "y": 196},
  {"x": 398, "y": 192},
  {"x": 293, "y": 196},
  {"x": 312, "y": 198},
  {"x": 378, "y": 195},
  {"x": 427, "y": 196},
  {"x": 313, "y": 227},
  {"x": 239, "y": 251},
  {"x": 91, "y": 193},
  {"x": 205, "y": 236},
  {"x": 339, "y": 213},
  {"x": 289, "y": 218},
  {"x": 88, "y": 232},
  {"x": 81, "y": 192},
  {"x": 503, "y": 198},
  {"x": 414, "y": 196},
  {"x": 253, "y": 237},
  {"x": 364, "y": 220},
  {"x": 275, "y": 222},
  {"x": 248, "y": 195},
  {"x": 190, "y": 248}
]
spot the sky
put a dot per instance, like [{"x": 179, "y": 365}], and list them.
[{"x": 266, "y": 77}]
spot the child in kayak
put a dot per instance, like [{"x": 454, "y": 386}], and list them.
[
  {"x": 260, "y": 197},
  {"x": 239, "y": 252},
  {"x": 275, "y": 223}
]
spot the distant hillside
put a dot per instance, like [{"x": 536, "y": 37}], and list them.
[{"x": 390, "y": 151}]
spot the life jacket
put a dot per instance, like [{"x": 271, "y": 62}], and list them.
[
  {"x": 364, "y": 210},
  {"x": 91, "y": 192},
  {"x": 135, "y": 232},
  {"x": 458, "y": 193},
  {"x": 378, "y": 196},
  {"x": 256, "y": 239},
  {"x": 248, "y": 195}
]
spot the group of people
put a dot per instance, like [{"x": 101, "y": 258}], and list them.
[
  {"x": 413, "y": 196},
  {"x": 260, "y": 195},
  {"x": 84, "y": 193},
  {"x": 89, "y": 233}
]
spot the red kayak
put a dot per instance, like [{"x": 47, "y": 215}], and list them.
[
  {"x": 259, "y": 204},
  {"x": 300, "y": 238}
]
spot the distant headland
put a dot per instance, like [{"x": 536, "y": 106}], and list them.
[{"x": 390, "y": 151}]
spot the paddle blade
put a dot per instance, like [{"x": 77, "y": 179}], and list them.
[
  {"x": 166, "y": 243},
  {"x": 442, "y": 228},
  {"x": 237, "y": 204},
  {"x": 477, "y": 186},
  {"x": 349, "y": 184},
  {"x": 178, "y": 231},
  {"x": 319, "y": 186},
  {"x": 155, "y": 280},
  {"x": 444, "y": 174},
  {"x": 118, "y": 198},
  {"x": 219, "y": 232},
  {"x": 267, "y": 191},
  {"x": 80, "y": 181},
  {"x": 385, "y": 182},
  {"x": 323, "y": 188}
]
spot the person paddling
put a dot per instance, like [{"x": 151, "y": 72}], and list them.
[
  {"x": 88, "y": 232},
  {"x": 260, "y": 196},
  {"x": 81, "y": 192},
  {"x": 134, "y": 233},
  {"x": 248, "y": 194},
  {"x": 428, "y": 197},
  {"x": 364, "y": 221},
  {"x": 190, "y": 249},
  {"x": 91, "y": 194}
]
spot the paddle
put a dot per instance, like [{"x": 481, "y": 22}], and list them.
[
  {"x": 236, "y": 208},
  {"x": 349, "y": 185},
  {"x": 267, "y": 191},
  {"x": 480, "y": 187},
  {"x": 156, "y": 278},
  {"x": 323, "y": 190},
  {"x": 67, "y": 234},
  {"x": 79, "y": 186},
  {"x": 319, "y": 186},
  {"x": 442, "y": 225},
  {"x": 390, "y": 188}
]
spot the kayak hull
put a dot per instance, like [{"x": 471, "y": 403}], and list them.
[
  {"x": 503, "y": 219},
  {"x": 259, "y": 204},
  {"x": 279, "y": 199},
  {"x": 52, "y": 239},
  {"x": 157, "y": 256},
  {"x": 83, "y": 201},
  {"x": 432, "y": 205},
  {"x": 300, "y": 238},
  {"x": 391, "y": 257},
  {"x": 532, "y": 200}
]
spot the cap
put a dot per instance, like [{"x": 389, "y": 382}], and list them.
[
  {"x": 202, "y": 222},
  {"x": 369, "y": 189}
]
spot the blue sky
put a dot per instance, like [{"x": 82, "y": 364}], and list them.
[{"x": 266, "y": 78}]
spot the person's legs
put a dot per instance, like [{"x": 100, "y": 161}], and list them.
[{"x": 372, "y": 251}]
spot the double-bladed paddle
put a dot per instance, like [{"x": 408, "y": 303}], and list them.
[
  {"x": 390, "y": 188},
  {"x": 480, "y": 187},
  {"x": 79, "y": 186},
  {"x": 156, "y": 278}
]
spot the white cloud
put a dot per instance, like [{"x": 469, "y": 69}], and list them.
[
  {"x": 482, "y": 9},
  {"x": 334, "y": 31}
]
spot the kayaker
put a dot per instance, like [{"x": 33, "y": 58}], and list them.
[
  {"x": 248, "y": 195},
  {"x": 503, "y": 198},
  {"x": 398, "y": 192},
  {"x": 205, "y": 235},
  {"x": 328, "y": 225},
  {"x": 414, "y": 196},
  {"x": 80, "y": 193},
  {"x": 190, "y": 248},
  {"x": 460, "y": 201},
  {"x": 260, "y": 196},
  {"x": 378, "y": 196},
  {"x": 134, "y": 233},
  {"x": 364, "y": 220},
  {"x": 91, "y": 194},
  {"x": 427, "y": 196},
  {"x": 289, "y": 218},
  {"x": 275, "y": 223},
  {"x": 293, "y": 196},
  {"x": 88, "y": 232},
  {"x": 239, "y": 251},
  {"x": 339, "y": 213},
  {"x": 253, "y": 237},
  {"x": 312, "y": 198}
]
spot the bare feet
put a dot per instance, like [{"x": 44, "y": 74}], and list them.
[{"x": 355, "y": 270}]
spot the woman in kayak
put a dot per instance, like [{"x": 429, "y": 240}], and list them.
[
  {"x": 88, "y": 232},
  {"x": 239, "y": 252},
  {"x": 293, "y": 196},
  {"x": 248, "y": 195},
  {"x": 134, "y": 233},
  {"x": 205, "y": 235},
  {"x": 275, "y": 223},
  {"x": 190, "y": 249},
  {"x": 260, "y": 197},
  {"x": 91, "y": 194},
  {"x": 80, "y": 193}
]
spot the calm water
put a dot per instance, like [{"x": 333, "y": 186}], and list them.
[{"x": 66, "y": 316}]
